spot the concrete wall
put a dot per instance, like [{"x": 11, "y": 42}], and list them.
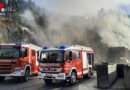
[
  {"x": 120, "y": 70},
  {"x": 106, "y": 75},
  {"x": 127, "y": 76}
]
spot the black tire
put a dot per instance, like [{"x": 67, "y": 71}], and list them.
[
  {"x": 48, "y": 81},
  {"x": 2, "y": 79},
  {"x": 92, "y": 73},
  {"x": 73, "y": 78},
  {"x": 67, "y": 80},
  {"x": 27, "y": 75},
  {"x": 87, "y": 76}
]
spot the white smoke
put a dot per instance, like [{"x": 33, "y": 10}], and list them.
[
  {"x": 95, "y": 23},
  {"x": 114, "y": 28},
  {"x": 100, "y": 16}
]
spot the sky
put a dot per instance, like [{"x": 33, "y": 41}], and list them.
[
  {"x": 83, "y": 6},
  {"x": 126, "y": 8}
]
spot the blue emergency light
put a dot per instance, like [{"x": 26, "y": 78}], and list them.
[
  {"x": 63, "y": 47},
  {"x": 44, "y": 48},
  {"x": 20, "y": 44}
]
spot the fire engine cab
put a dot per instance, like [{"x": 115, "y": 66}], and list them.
[
  {"x": 66, "y": 63},
  {"x": 18, "y": 60}
]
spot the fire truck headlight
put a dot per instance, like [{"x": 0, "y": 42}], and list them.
[
  {"x": 59, "y": 69},
  {"x": 17, "y": 69}
]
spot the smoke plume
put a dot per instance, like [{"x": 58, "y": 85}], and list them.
[{"x": 95, "y": 27}]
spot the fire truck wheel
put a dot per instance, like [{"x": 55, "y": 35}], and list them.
[
  {"x": 27, "y": 74},
  {"x": 73, "y": 78},
  {"x": 48, "y": 81},
  {"x": 2, "y": 78}
]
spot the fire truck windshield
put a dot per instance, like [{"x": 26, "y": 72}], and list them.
[
  {"x": 9, "y": 52},
  {"x": 52, "y": 56}
]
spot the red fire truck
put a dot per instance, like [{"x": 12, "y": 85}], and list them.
[
  {"x": 66, "y": 63},
  {"x": 18, "y": 60}
]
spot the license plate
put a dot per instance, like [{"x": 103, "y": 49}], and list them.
[{"x": 49, "y": 75}]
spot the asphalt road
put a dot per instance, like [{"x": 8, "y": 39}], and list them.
[{"x": 38, "y": 84}]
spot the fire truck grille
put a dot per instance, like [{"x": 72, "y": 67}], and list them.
[
  {"x": 5, "y": 69},
  {"x": 4, "y": 72},
  {"x": 5, "y": 66}
]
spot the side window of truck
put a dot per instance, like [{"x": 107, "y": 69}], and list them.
[
  {"x": 74, "y": 55},
  {"x": 25, "y": 52},
  {"x": 89, "y": 58},
  {"x": 68, "y": 55},
  {"x": 78, "y": 55},
  {"x": 33, "y": 53}
]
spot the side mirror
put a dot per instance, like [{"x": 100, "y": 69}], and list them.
[
  {"x": 38, "y": 55},
  {"x": 38, "y": 59},
  {"x": 68, "y": 61}
]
